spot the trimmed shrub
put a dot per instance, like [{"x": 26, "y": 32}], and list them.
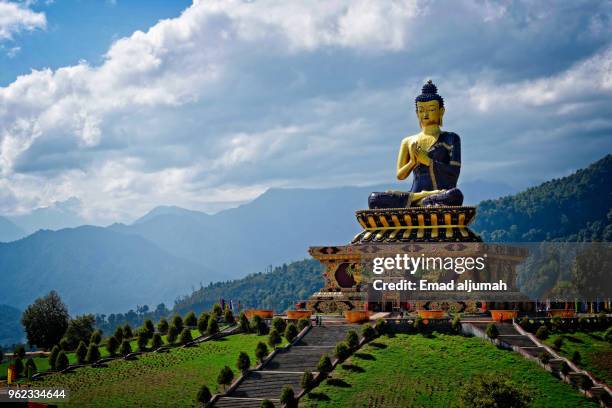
[
  {"x": 244, "y": 323},
  {"x": 186, "y": 336},
  {"x": 157, "y": 341},
  {"x": 456, "y": 324},
  {"x": 19, "y": 351},
  {"x": 303, "y": 323},
  {"x": 542, "y": 333},
  {"x": 177, "y": 322},
  {"x": 213, "y": 326},
  {"x": 96, "y": 337},
  {"x": 216, "y": 310},
  {"x": 258, "y": 326},
  {"x": 367, "y": 332},
  {"x": 162, "y": 326},
  {"x": 418, "y": 324},
  {"x": 143, "y": 339},
  {"x": 244, "y": 362},
  {"x": 204, "y": 395},
  {"x": 18, "y": 364},
  {"x": 62, "y": 361},
  {"x": 381, "y": 326},
  {"x": 279, "y": 325},
  {"x": 81, "y": 352},
  {"x": 492, "y": 331},
  {"x": 352, "y": 339},
  {"x": 565, "y": 368},
  {"x": 558, "y": 343},
  {"x": 308, "y": 382},
  {"x": 119, "y": 334},
  {"x": 266, "y": 404},
  {"x": 64, "y": 344},
  {"x": 524, "y": 323},
  {"x": 291, "y": 332},
  {"x": 492, "y": 391},
  {"x": 576, "y": 357},
  {"x": 274, "y": 338},
  {"x": 261, "y": 351},
  {"x": 190, "y": 320},
  {"x": 127, "y": 332},
  {"x": 126, "y": 348},
  {"x": 325, "y": 365},
  {"x": 93, "y": 353},
  {"x": 149, "y": 328},
  {"x": 53, "y": 357},
  {"x": 342, "y": 351},
  {"x": 228, "y": 317},
  {"x": 30, "y": 368},
  {"x": 112, "y": 345},
  {"x": 225, "y": 377},
  {"x": 287, "y": 397},
  {"x": 544, "y": 357},
  {"x": 173, "y": 332},
  {"x": 203, "y": 322}
]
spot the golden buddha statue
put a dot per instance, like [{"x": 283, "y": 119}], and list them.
[{"x": 433, "y": 157}]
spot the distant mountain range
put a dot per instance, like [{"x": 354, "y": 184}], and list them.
[
  {"x": 11, "y": 331},
  {"x": 93, "y": 269},
  {"x": 9, "y": 231},
  {"x": 169, "y": 250}
]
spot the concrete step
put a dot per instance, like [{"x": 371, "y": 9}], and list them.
[
  {"x": 326, "y": 335},
  {"x": 298, "y": 359},
  {"x": 517, "y": 340},
  {"x": 266, "y": 384},
  {"x": 229, "y": 402}
]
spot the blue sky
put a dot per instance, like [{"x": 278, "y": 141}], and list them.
[{"x": 221, "y": 100}]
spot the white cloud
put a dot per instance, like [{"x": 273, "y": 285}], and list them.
[
  {"x": 15, "y": 17},
  {"x": 232, "y": 97},
  {"x": 586, "y": 80}
]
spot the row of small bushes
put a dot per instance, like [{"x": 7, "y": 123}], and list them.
[{"x": 565, "y": 325}]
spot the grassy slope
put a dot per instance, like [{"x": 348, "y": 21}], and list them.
[
  {"x": 42, "y": 363},
  {"x": 413, "y": 371},
  {"x": 170, "y": 379},
  {"x": 595, "y": 352}
]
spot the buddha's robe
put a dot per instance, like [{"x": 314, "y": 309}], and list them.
[{"x": 443, "y": 172}]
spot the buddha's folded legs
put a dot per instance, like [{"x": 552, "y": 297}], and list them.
[{"x": 400, "y": 199}]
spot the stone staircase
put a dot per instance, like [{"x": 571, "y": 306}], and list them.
[
  {"x": 286, "y": 368},
  {"x": 523, "y": 344}
]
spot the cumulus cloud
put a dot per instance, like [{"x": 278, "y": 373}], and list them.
[
  {"x": 232, "y": 97},
  {"x": 16, "y": 17}
]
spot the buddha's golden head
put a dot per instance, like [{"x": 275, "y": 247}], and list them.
[{"x": 429, "y": 106}]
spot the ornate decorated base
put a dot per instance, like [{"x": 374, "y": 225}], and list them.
[{"x": 416, "y": 224}]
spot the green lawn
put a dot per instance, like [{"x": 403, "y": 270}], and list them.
[
  {"x": 596, "y": 354},
  {"x": 42, "y": 363},
  {"x": 155, "y": 379},
  {"x": 414, "y": 371}
]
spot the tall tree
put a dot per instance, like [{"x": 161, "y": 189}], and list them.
[{"x": 45, "y": 321}]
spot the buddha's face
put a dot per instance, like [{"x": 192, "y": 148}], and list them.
[{"x": 429, "y": 113}]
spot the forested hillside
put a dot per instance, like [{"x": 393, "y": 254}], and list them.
[
  {"x": 573, "y": 208},
  {"x": 277, "y": 290}
]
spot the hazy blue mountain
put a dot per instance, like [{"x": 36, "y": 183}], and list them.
[
  {"x": 93, "y": 269},
  {"x": 62, "y": 214},
  {"x": 276, "y": 227},
  {"x": 9, "y": 231},
  {"x": 11, "y": 331}
]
